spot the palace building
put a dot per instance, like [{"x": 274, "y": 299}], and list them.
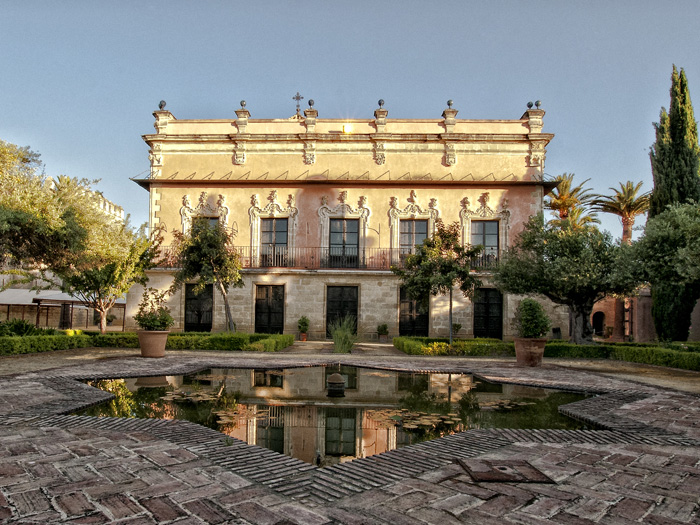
[{"x": 322, "y": 208}]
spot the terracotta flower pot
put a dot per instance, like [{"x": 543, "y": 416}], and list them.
[
  {"x": 302, "y": 336},
  {"x": 152, "y": 342},
  {"x": 529, "y": 351}
]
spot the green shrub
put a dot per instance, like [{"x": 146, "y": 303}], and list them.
[
  {"x": 658, "y": 356},
  {"x": 10, "y": 345},
  {"x": 574, "y": 351},
  {"x": 482, "y": 348},
  {"x": 21, "y": 328},
  {"x": 116, "y": 340},
  {"x": 531, "y": 319},
  {"x": 343, "y": 334}
]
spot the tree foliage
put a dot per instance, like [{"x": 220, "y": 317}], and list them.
[
  {"x": 438, "y": 265},
  {"x": 566, "y": 200},
  {"x": 205, "y": 255},
  {"x": 100, "y": 286},
  {"x": 55, "y": 231},
  {"x": 675, "y": 156},
  {"x": 669, "y": 254},
  {"x": 569, "y": 266},
  {"x": 625, "y": 203}
]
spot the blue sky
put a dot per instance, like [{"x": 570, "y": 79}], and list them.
[{"x": 80, "y": 79}]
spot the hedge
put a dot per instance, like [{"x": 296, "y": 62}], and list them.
[
  {"x": 676, "y": 355},
  {"x": 176, "y": 341},
  {"x": 29, "y": 344}
]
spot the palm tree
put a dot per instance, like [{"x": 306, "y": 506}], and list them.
[
  {"x": 566, "y": 197},
  {"x": 577, "y": 218},
  {"x": 625, "y": 203}
]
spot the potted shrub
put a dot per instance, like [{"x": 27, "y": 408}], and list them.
[
  {"x": 383, "y": 332},
  {"x": 532, "y": 324},
  {"x": 303, "y": 326},
  {"x": 154, "y": 319}
]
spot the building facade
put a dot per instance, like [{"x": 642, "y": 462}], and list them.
[{"x": 321, "y": 209}]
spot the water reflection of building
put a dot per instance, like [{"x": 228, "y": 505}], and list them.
[{"x": 289, "y": 412}]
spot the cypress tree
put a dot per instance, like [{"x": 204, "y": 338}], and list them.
[
  {"x": 675, "y": 166},
  {"x": 675, "y": 156}
]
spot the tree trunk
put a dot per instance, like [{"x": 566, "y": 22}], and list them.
[
  {"x": 230, "y": 325},
  {"x": 103, "y": 321},
  {"x": 582, "y": 331},
  {"x": 450, "y": 316}
]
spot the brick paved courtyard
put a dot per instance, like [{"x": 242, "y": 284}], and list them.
[{"x": 644, "y": 467}]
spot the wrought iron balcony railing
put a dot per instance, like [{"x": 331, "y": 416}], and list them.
[{"x": 321, "y": 258}]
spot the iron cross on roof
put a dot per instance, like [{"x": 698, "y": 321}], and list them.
[{"x": 297, "y": 97}]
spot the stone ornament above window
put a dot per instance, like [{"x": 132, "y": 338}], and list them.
[
  {"x": 273, "y": 209},
  {"x": 203, "y": 209},
  {"x": 484, "y": 211},
  {"x": 344, "y": 210},
  {"x": 412, "y": 211}
]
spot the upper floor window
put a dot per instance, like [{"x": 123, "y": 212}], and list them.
[
  {"x": 412, "y": 233},
  {"x": 485, "y": 233},
  {"x": 344, "y": 243},
  {"x": 273, "y": 242}
]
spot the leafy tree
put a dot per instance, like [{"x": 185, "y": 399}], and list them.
[
  {"x": 205, "y": 255},
  {"x": 440, "y": 264},
  {"x": 569, "y": 266},
  {"x": 675, "y": 156},
  {"x": 625, "y": 203},
  {"x": 56, "y": 232},
  {"x": 675, "y": 165},
  {"x": 100, "y": 286},
  {"x": 669, "y": 254},
  {"x": 566, "y": 198}
]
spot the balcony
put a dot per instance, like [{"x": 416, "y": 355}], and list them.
[{"x": 324, "y": 258}]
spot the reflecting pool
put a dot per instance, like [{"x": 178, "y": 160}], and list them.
[{"x": 289, "y": 411}]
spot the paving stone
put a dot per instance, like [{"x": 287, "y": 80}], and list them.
[
  {"x": 75, "y": 504},
  {"x": 208, "y": 511},
  {"x": 255, "y": 513},
  {"x": 120, "y": 506},
  {"x": 432, "y": 515},
  {"x": 163, "y": 508},
  {"x": 30, "y": 502}
]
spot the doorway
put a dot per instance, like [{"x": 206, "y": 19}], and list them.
[
  {"x": 341, "y": 301},
  {"x": 488, "y": 313},
  {"x": 269, "y": 309},
  {"x": 199, "y": 308}
]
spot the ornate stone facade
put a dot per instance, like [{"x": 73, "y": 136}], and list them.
[{"x": 329, "y": 182}]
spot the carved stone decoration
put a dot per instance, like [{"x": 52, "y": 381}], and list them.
[
  {"x": 204, "y": 209},
  {"x": 273, "y": 209},
  {"x": 239, "y": 153},
  {"x": 485, "y": 212},
  {"x": 344, "y": 210},
  {"x": 379, "y": 153},
  {"x": 162, "y": 116},
  {"x": 450, "y": 155},
  {"x": 537, "y": 155},
  {"x": 309, "y": 153},
  {"x": 156, "y": 158},
  {"x": 412, "y": 211}
]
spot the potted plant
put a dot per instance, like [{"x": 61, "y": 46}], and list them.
[
  {"x": 154, "y": 319},
  {"x": 383, "y": 332},
  {"x": 303, "y": 326},
  {"x": 532, "y": 325}
]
